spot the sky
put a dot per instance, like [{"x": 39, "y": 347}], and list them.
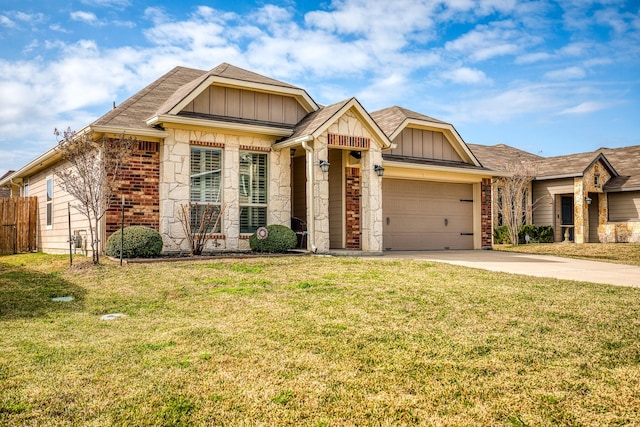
[{"x": 548, "y": 77}]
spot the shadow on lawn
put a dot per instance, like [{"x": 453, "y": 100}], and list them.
[{"x": 26, "y": 293}]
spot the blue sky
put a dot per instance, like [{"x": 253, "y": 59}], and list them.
[{"x": 548, "y": 77}]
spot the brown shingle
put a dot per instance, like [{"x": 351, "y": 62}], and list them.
[
  {"x": 312, "y": 121},
  {"x": 390, "y": 118},
  {"x": 134, "y": 112},
  {"x": 496, "y": 156}
]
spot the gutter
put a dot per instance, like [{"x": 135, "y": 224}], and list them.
[{"x": 311, "y": 226}]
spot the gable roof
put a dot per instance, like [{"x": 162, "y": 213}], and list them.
[
  {"x": 229, "y": 75},
  {"x": 315, "y": 123},
  {"x": 394, "y": 120},
  {"x": 623, "y": 163},
  {"x": 133, "y": 113},
  {"x": 390, "y": 119}
]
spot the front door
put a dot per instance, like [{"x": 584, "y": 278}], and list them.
[{"x": 567, "y": 217}]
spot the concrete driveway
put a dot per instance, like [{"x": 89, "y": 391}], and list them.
[{"x": 532, "y": 265}]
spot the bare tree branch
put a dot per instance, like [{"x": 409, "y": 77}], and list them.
[{"x": 92, "y": 173}]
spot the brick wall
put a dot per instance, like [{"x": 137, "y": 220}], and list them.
[
  {"x": 486, "y": 220},
  {"x": 352, "y": 200},
  {"x": 140, "y": 179}
]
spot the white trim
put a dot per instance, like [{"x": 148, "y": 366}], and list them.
[
  {"x": 49, "y": 221},
  {"x": 483, "y": 173}
]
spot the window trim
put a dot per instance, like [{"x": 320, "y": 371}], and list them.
[
  {"x": 49, "y": 202},
  {"x": 241, "y": 205},
  {"x": 219, "y": 203}
]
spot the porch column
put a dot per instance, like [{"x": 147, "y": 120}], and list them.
[
  {"x": 371, "y": 201},
  {"x": 318, "y": 198},
  {"x": 580, "y": 212}
]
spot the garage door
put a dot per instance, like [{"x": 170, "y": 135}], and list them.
[{"x": 423, "y": 215}]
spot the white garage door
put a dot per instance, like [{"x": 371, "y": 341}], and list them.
[{"x": 423, "y": 215}]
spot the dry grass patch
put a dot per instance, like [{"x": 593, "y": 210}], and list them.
[
  {"x": 312, "y": 341},
  {"x": 621, "y": 253}
]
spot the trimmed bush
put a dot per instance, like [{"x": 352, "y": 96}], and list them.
[
  {"x": 279, "y": 240},
  {"x": 537, "y": 234},
  {"x": 139, "y": 242}
]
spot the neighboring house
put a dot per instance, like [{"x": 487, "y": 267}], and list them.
[
  {"x": 5, "y": 192},
  {"x": 266, "y": 151},
  {"x": 585, "y": 197}
]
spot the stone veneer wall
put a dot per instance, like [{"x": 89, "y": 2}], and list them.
[
  {"x": 371, "y": 186},
  {"x": 174, "y": 185},
  {"x": 139, "y": 182},
  {"x": 486, "y": 210}
]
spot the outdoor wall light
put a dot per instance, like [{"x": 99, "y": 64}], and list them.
[
  {"x": 324, "y": 165},
  {"x": 588, "y": 200},
  {"x": 379, "y": 170}
]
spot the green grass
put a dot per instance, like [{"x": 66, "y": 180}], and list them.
[
  {"x": 312, "y": 341},
  {"x": 619, "y": 253}
]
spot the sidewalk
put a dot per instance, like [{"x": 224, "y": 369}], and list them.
[{"x": 532, "y": 265}]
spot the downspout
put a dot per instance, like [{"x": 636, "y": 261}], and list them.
[{"x": 311, "y": 224}]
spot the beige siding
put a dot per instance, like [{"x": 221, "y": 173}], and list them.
[
  {"x": 54, "y": 239},
  {"x": 624, "y": 206},
  {"x": 246, "y": 104},
  {"x": 424, "y": 215},
  {"x": 336, "y": 200},
  {"x": 544, "y": 192},
  {"x": 425, "y": 144}
]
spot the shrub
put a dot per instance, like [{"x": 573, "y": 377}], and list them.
[
  {"x": 501, "y": 235},
  {"x": 537, "y": 234},
  {"x": 279, "y": 240},
  {"x": 139, "y": 242}
]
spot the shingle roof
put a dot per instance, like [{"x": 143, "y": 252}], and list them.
[
  {"x": 625, "y": 161},
  {"x": 390, "y": 118},
  {"x": 496, "y": 156},
  {"x": 134, "y": 112},
  {"x": 167, "y": 91},
  {"x": 314, "y": 120}
]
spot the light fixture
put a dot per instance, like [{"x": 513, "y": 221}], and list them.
[
  {"x": 379, "y": 170},
  {"x": 588, "y": 200},
  {"x": 324, "y": 165}
]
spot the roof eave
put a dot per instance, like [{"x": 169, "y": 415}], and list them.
[
  {"x": 238, "y": 127},
  {"x": 477, "y": 172}
]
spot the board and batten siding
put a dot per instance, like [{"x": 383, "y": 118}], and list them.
[
  {"x": 247, "y": 104},
  {"x": 624, "y": 206},
  {"x": 424, "y": 144},
  {"x": 54, "y": 238}
]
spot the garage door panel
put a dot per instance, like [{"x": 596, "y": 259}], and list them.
[{"x": 423, "y": 215}]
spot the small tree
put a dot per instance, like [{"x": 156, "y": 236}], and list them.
[
  {"x": 199, "y": 222},
  {"x": 513, "y": 201},
  {"x": 91, "y": 174}
]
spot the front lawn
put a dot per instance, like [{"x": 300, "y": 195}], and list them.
[
  {"x": 312, "y": 341},
  {"x": 620, "y": 253}
]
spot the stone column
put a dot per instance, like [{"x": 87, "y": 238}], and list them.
[
  {"x": 580, "y": 212},
  {"x": 371, "y": 200},
  {"x": 279, "y": 187},
  {"x": 320, "y": 197},
  {"x": 230, "y": 196}
]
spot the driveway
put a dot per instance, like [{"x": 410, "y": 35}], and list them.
[{"x": 532, "y": 265}]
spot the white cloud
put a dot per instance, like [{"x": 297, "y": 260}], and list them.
[
  {"x": 6, "y": 22},
  {"x": 86, "y": 17},
  {"x": 531, "y": 58},
  {"x": 486, "y": 42},
  {"x": 569, "y": 73},
  {"x": 466, "y": 75},
  {"x": 585, "y": 108}
]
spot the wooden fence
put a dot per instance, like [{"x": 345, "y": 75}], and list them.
[{"x": 18, "y": 224}]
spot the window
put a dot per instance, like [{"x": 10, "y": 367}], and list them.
[
  {"x": 205, "y": 186},
  {"x": 253, "y": 191},
  {"x": 25, "y": 188},
  {"x": 49, "y": 202},
  {"x": 596, "y": 180}
]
